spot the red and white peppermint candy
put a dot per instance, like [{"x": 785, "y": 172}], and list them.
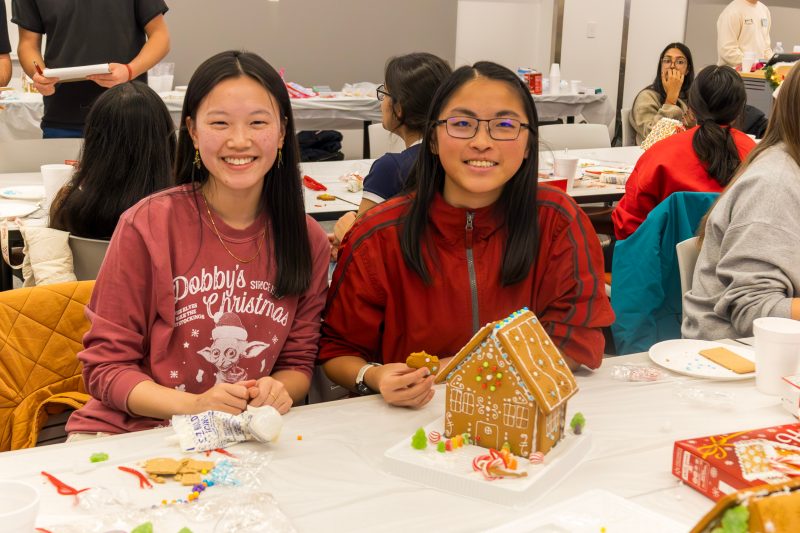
[
  {"x": 434, "y": 437},
  {"x": 485, "y": 464},
  {"x": 536, "y": 458}
]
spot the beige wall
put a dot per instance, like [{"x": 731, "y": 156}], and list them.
[
  {"x": 318, "y": 42},
  {"x": 701, "y": 27}
]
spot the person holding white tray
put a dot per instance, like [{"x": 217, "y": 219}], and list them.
[{"x": 130, "y": 36}]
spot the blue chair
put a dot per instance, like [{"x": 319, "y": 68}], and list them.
[{"x": 646, "y": 289}]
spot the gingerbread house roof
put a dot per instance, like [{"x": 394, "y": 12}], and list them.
[{"x": 523, "y": 340}]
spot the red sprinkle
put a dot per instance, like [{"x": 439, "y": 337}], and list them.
[
  {"x": 143, "y": 481},
  {"x": 43, "y": 530},
  {"x": 62, "y": 487},
  {"x": 224, "y": 452}
]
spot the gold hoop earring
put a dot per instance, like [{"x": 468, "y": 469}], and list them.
[
  {"x": 280, "y": 157},
  {"x": 197, "y": 162}
]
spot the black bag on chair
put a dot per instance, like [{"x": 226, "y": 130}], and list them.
[
  {"x": 753, "y": 121},
  {"x": 321, "y": 145}
]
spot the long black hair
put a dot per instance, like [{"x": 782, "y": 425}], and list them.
[
  {"x": 282, "y": 194},
  {"x": 717, "y": 99},
  {"x": 127, "y": 154},
  {"x": 688, "y": 78},
  {"x": 517, "y": 202},
  {"x": 411, "y": 80}
]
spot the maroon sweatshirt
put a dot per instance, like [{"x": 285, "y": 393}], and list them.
[{"x": 171, "y": 305}]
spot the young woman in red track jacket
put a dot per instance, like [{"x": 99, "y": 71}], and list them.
[{"x": 475, "y": 241}]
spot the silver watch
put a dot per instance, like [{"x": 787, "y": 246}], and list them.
[{"x": 361, "y": 386}]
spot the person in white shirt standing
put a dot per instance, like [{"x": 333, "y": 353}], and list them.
[{"x": 743, "y": 26}]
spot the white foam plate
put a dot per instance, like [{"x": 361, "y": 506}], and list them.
[
  {"x": 23, "y": 192},
  {"x": 452, "y": 471},
  {"x": 590, "y": 512},
  {"x": 682, "y": 356},
  {"x": 13, "y": 208}
]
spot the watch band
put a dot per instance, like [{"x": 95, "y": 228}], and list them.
[{"x": 361, "y": 386}]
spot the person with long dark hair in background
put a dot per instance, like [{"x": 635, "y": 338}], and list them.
[
  {"x": 473, "y": 239},
  {"x": 701, "y": 159},
  {"x": 128, "y": 153},
  {"x": 211, "y": 292},
  {"x": 666, "y": 97}
]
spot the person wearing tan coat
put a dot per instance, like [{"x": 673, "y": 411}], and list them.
[{"x": 666, "y": 96}]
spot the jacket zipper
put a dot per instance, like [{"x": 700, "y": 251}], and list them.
[{"x": 473, "y": 282}]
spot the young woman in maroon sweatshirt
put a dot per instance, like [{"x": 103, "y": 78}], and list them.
[{"x": 210, "y": 294}]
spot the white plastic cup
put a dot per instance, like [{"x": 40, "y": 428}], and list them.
[
  {"x": 19, "y": 505},
  {"x": 555, "y": 70},
  {"x": 777, "y": 347},
  {"x": 575, "y": 86},
  {"x": 54, "y": 177},
  {"x": 748, "y": 60},
  {"x": 796, "y": 49},
  {"x": 565, "y": 167}
]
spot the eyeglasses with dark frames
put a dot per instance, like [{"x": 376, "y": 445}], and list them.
[
  {"x": 381, "y": 92},
  {"x": 678, "y": 62},
  {"x": 500, "y": 129}
]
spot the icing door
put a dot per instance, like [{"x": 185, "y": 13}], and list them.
[{"x": 490, "y": 437}]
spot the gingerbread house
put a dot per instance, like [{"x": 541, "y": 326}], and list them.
[{"x": 509, "y": 384}]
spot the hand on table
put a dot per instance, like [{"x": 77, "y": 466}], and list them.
[
  {"x": 45, "y": 86},
  {"x": 119, "y": 74},
  {"x": 672, "y": 79},
  {"x": 403, "y": 386},
  {"x": 226, "y": 397},
  {"x": 270, "y": 391}
]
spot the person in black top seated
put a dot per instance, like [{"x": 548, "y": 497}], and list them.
[{"x": 128, "y": 153}]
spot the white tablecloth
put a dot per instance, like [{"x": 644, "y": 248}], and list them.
[
  {"x": 334, "y": 479},
  {"x": 593, "y": 108},
  {"x": 328, "y": 173},
  {"x": 23, "y": 111}
]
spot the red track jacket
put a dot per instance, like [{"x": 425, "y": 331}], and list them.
[{"x": 381, "y": 310}]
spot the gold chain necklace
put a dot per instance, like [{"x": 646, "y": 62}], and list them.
[{"x": 222, "y": 241}]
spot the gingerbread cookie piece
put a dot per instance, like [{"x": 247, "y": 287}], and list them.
[
  {"x": 730, "y": 360},
  {"x": 162, "y": 466},
  {"x": 420, "y": 359}
]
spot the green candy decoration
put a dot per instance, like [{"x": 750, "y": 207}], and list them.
[
  {"x": 147, "y": 527},
  {"x": 577, "y": 423},
  {"x": 486, "y": 364},
  {"x": 98, "y": 457},
  {"x": 734, "y": 520},
  {"x": 441, "y": 447},
  {"x": 419, "y": 441},
  {"x": 492, "y": 388},
  {"x": 478, "y": 378}
]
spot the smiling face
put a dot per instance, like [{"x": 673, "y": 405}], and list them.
[
  {"x": 238, "y": 130},
  {"x": 477, "y": 169}
]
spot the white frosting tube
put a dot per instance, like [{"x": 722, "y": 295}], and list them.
[{"x": 215, "y": 429}]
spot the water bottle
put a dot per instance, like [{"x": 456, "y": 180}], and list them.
[
  {"x": 778, "y": 48},
  {"x": 555, "y": 79}
]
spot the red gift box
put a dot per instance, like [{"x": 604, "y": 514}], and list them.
[{"x": 721, "y": 464}]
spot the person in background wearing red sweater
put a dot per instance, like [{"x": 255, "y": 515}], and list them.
[
  {"x": 701, "y": 159},
  {"x": 211, "y": 292},
  {"x": 474, "y": 240}
]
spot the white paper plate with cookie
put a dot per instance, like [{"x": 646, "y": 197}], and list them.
[{"x": 683, "y": 356}]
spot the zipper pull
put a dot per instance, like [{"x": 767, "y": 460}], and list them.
[{"x": 469, "y": 227}]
